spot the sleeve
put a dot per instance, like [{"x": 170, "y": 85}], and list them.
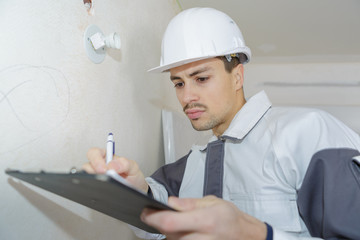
[
  {"x": 303, "y": 133},
  {"x": 158, "y": 190},
  {"x": 328, "y": 200},
  {"x": 171, "y": 175},
  {"x": 166, "y": 181}
]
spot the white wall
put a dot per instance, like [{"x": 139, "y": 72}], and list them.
[
  {"x": 55, "y": 104},
  {"x": 334, "y": 87}
]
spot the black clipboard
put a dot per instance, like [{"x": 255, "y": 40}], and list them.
[{"x": 100, "y": 192}]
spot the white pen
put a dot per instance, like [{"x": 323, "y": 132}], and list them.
[{"x": 110, "y": 148}]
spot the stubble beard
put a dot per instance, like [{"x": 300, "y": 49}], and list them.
[
  {"x": 208, "y": 125},
  {"x": 197, "y": 124}
]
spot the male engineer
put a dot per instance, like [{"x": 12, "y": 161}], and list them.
[{"x": 244, "y": 183}]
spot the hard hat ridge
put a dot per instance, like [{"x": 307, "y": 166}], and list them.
[{"x": 200, "y": 33}]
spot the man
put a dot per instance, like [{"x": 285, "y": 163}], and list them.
[{"x": 244, "y": 183}]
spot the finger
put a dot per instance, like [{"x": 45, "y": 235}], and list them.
[
  {"x": 187, "y": 204},
  {"x": 96, "y": 157},
  {"x": 124, "y": 166},
  {"x": 182, "y": 204},
  {"x": 88, "y": 168},
  {"x": 129, "y": 170},
  {"x": 175, "y": 222}
]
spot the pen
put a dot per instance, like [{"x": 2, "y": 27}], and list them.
[{"x": 110, "y": 148}]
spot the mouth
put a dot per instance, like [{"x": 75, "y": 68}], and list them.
[{"x": 194, "y": 114}]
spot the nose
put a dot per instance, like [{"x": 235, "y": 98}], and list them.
[{"x": 188, "y": 94}]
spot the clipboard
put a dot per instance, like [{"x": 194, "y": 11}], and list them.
[{"x": 107, "y": 193}]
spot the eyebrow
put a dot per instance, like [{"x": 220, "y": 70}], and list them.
[{"x": 196, "y": 72}]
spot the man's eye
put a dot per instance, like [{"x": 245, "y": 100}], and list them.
[
  {"x": 202, "y": 79},
  {"x": 178, "y": 85}
]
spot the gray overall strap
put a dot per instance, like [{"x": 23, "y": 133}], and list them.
[{"x": 214, "y": 169}]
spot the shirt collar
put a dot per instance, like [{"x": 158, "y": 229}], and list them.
[
  {"x": 251, "y": 113},
  {"x": 248, "y": 116}
]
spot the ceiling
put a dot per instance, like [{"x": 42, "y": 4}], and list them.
[{"x": 294, "y": 31}]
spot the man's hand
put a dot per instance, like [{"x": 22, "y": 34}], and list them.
[
  {"x": 126, "y": 168},
  {"x": 205, "y": 218}
]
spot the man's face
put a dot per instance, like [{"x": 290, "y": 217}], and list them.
[{"x": 209, "y": 95}]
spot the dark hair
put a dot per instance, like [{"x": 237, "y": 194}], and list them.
[{"x": 229, "y": 66}]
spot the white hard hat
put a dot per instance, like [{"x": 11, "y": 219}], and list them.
[{"x": 200, "y": 33}]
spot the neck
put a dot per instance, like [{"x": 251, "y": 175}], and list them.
[{"x": 220, "y": 129}]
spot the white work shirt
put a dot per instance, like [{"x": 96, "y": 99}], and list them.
[{"x": 267, "y": 152}]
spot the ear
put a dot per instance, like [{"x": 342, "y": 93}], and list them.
[{"x": 238, "y": 74}]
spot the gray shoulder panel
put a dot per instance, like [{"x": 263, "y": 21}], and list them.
[
  {"x": 329, "y": 198},
  {"x": 171, "y": 175}
]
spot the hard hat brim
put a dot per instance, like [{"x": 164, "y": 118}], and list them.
[{"x": 167, "y": 67}]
